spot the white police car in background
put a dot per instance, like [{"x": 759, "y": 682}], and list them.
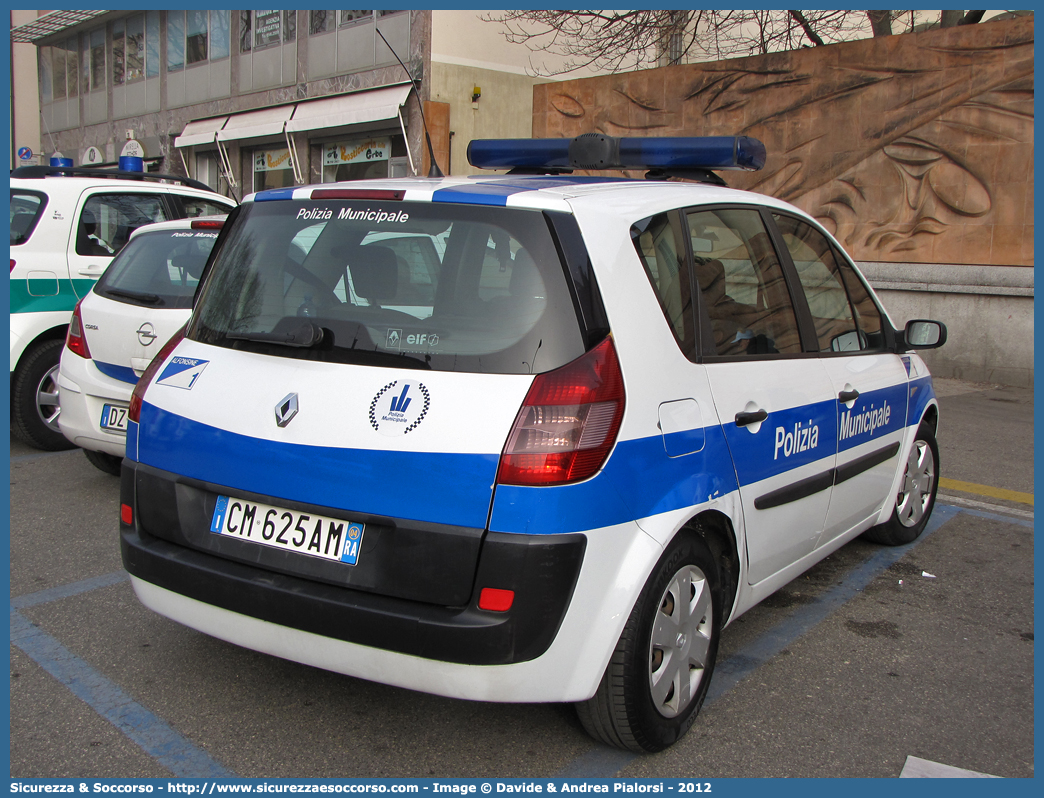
[
  {"x": 631, "y": 410},
  {"x": 66, "y": 225},
  {"x": 140, "y": 301}
]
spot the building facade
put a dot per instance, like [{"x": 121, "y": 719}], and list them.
[{"x": 915, "y": 151}]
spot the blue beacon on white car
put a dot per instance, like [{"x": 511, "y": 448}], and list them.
[{"x": 528, "y": 437}]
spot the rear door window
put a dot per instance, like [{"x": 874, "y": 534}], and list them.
[
  {"x": 107, "y": 220},
  {"x": 26, "y": 209},
  {"x": 744, "y": 292},
  {"x": 158, "y": 269},
  {"x": 416, "y": 285}
]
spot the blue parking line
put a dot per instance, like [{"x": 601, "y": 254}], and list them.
[
  {"x": 602, "y": 762},
  {"x": 28, "y": 458},
  {"x": 65, "y": 591},
  {"x": 154, "y": 736},
  {"x": 176, "y": 753}
]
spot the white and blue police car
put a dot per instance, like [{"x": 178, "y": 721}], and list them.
[{"x": 530, "y": 437}]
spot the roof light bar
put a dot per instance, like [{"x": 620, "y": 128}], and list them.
[{"x": 598, "y": 151}]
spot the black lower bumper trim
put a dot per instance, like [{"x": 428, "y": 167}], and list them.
[{"x": 541, "y": 569}]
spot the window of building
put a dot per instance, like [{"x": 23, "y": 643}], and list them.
[
  {"x": 356, "y": 160},
  {"x": 152, "y": 44},
  {"x": 96, "y": 51},
  {"x": 59, "y": 70},
  {"x": 135, "y": 48},
  {"x": 324, "y": 21},
  {"x": 260, "y": 29},
  {"x": 319, "y": 22},
  {"x": 273, "y": 169},
  {"x": 196, "y": 36},
  {"x": 350, "y": 17}
]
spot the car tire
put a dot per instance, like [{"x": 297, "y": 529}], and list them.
[
  {"x": 659, "y": 673},
  {"x": 109, "y": 463},
  {"x": 34, "y": 398},
  {"x": 916, "y": 497}
]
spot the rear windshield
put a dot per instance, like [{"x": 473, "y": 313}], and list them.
[
  {"x": 26, "y": 210},
  {"x": 158, "y": 269},
  {"x": 412, "y": 285}
]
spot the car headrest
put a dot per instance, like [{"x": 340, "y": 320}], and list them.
[
  {"x": 711, "y": 277},
  {"x": 375, "y": 272},
  {"x": 525, "y": 277}
]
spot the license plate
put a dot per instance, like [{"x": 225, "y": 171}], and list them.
[
  {"x": 114, "y": 417},
  {"x": 305, "y": 533}
]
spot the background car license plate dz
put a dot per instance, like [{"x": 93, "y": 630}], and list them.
[
  {"x": 114, "y": 417},
  {"x": 314, "y": 535}
]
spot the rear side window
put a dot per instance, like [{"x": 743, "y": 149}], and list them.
[
  {"x": 656, "y": 242},
  {"x": 158, "y": 269},
  {"x": 197, "y": 206},
  {"x": 26, "y": 209},
  {"x": 415, "y": 285},
  {"x": 107, "y": 220}
]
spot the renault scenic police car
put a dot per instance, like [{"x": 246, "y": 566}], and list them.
[
  {"x": 142, "y": 298},
  {"x": 527, "y": 437}
]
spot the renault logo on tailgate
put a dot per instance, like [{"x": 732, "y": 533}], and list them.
[{"x": 286, "y": 409}]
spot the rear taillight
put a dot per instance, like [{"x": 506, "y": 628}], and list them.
[
  {"x": 568, "y": 422},
  {"x": 75, "y": 341},
  {"x": 12, "y": 264},
  {"x": 134, "y": 411}
]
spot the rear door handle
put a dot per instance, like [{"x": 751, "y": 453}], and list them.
[
  {"x": 848, "y": 396},
  {"x": 743, "y": 418}
]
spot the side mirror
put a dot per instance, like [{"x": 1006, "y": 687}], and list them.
[{"x": 924, "y": 334}]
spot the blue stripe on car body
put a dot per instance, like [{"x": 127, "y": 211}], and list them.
[
  {"x": 922, "y": 392},
  {"x": 121, "y": 373},
  {"x": 274, "y": 194},
  {"x": 359, "y": 480},
  {"x": 873, "y": 415}
]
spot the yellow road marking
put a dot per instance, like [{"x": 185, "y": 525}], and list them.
[{"x": 986, "y": 490}]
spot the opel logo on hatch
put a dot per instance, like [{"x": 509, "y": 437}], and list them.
[
  {"x": 146, "y": 334},
  {"x": 286, "y": 409}
]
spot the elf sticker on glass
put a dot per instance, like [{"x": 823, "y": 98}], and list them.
[
  {"x": 182, "y": 372},
  {"x": 399, "y": 407}
]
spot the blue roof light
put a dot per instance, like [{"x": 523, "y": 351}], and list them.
[{"x": 598, "y": 151}]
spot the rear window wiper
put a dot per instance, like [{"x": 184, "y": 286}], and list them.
[
  {"x": 140, "y": 296},
  {"x": 304, "y": 336}
]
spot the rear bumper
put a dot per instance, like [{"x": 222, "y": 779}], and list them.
[
  {"x": 542, "y": 570},
  {"x": 83, "y": 392}
]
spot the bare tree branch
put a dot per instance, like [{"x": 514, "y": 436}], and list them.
[
  {"x": 811, "y": 34},
  {"x": 615, "y": 41}
]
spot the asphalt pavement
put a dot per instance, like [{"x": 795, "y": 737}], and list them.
[{"x": 872, "y": 662}]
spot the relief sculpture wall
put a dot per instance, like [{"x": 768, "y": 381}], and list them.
[{"x": 910, "y": 149}]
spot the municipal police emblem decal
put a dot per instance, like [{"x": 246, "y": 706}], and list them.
[{"x": 399, "y": 407}]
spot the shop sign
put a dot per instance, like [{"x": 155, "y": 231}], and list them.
[
  {"x": 269, "y": 160},
  {"x": 361, "y": 151},
  {"x": 133, "y": 149}
]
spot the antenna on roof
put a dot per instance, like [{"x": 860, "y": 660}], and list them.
[{"x": 434, "y": 170}]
